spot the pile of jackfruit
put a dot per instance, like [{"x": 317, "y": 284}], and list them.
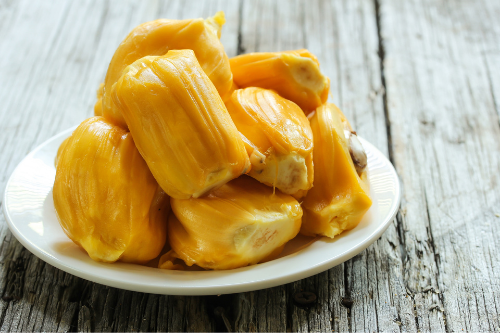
[{"x": 210, "y": 161}]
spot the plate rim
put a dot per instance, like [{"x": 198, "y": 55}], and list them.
[{"x": 237, "y": 287}]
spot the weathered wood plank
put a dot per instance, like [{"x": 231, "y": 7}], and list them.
[{"x": 441, "y": 99}]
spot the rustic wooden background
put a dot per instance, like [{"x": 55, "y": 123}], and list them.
[{"x": 420, "y": 79}]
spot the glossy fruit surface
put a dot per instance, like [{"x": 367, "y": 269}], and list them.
[
  {"x": 106, "y": 199},
  {"x": 278, "y": 138},
  {"x": 239, "y": 224},
  {"x": 180, "y": 124},
  {"x": 295, "y": 75},
  {"x": 98, "y": 103},
  {"x": 339, "y": 197},
  {"x": 157, "y": 37}
]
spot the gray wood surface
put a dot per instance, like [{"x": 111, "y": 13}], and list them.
[{"x": 419, "y": 79}]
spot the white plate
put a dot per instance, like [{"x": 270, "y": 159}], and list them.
[{"x": 29, "y": 210}]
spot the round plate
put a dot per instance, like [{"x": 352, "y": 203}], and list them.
[{"x": 30, "y": 213}]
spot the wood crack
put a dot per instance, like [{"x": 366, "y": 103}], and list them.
[
  {"x": 485, "y": 309},
  {"x": 240, "y": 49},
  {"x": 347, "y": 294},
  {"x": 381, "y": 54},
  {"x": 400, "y": 233},
  {"x": 377, "y": 288},
  {"x": 429, "y": 232},
  {"x": 435, "y": 255}
]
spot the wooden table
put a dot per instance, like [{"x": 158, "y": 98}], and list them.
[{"x": 420, "y": 79}]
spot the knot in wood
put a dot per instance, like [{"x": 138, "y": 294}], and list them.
[
  {"x": 304, "y": 298},
  {"x": 347, "y": 302}
]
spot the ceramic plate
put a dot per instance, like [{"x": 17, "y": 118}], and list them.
[{"x": 29, "y": 210}]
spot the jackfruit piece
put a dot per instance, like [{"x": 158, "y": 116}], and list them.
[
  {"x": 180, "y": 124},
  {"x": 278, "y": 138},
  {"x": 356, "y": 150},
  {"x": 241, "y": 223},
  {"x": 98, "y": 103},
  {"x": 60, "y": 150},
  {"x": 339, "y": 197},
  {"x": 157, "y": 37},
  {"x": 106, "y": 199},
  {"x": 228, "y": 95},
  {"x": 295, "y": 75}
]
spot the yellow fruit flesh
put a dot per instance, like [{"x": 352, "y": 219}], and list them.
[
  {"x": 339, "y": 197},
  {"x": 295, "y": 75},
  {"x": 106, "y": 199},
  {"x": 60, "y": 150},
  {"x": 180, "y": 124},
  {"x": 98, "y": 103},
  {"x": 157, "y": 37},
  {"x": 278, "y": 138},
  {"x": 239, "y": 224}
]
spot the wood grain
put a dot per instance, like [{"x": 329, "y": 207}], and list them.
[
  {"x": 445, "y": 133},
  {"x": 419, "y": 79}
]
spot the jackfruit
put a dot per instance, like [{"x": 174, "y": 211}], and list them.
[
  {"x": 278, "y": 138},
  {"x": 239, "y": 224},
  {"x": 60, "y": 150},
  {"x": 339, "y": 197},
  {"x": 106, "y": 199},
  {"x": 98, "y": 103},
  {"x": 180, "y": 124},
  {"x": 157, "y": 37},
  {"x": 356, "y": 150},
  {"x": 295, "y": 75}
]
